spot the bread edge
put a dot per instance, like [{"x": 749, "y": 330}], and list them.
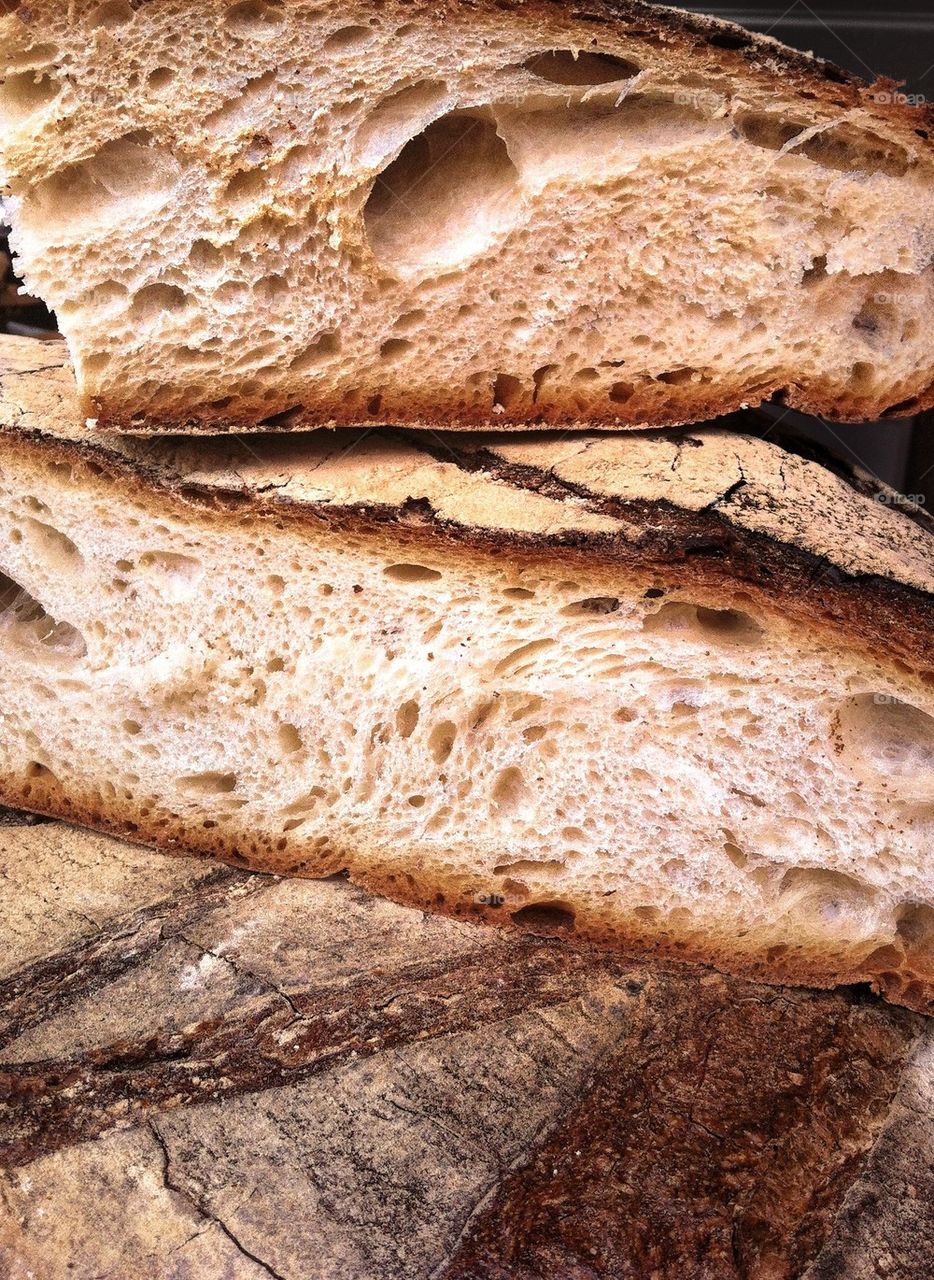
[
  {"x": 287, "y": 414},
  {"x": 823, "y": 968},
  {"x": 689, "y": 547},
  {"x": 839, "y": 606}
]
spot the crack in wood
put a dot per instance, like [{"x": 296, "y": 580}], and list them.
[{"x": 209, "y": 1217}]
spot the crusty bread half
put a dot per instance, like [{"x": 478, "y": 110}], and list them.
[
  {"x": 667, "y": 691},
  {"x": 277, "y": 213}
]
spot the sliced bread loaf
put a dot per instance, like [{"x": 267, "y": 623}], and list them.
[
  {"x": 275, "y": 213},
  {"x": 668, "y": 691}
]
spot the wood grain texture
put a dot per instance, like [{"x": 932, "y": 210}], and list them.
[{"x": 207, "y": 1074}]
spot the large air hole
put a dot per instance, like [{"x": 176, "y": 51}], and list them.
[
  {"x": 763, "y": 130},
  {"x": 175, "y": 576},
  {"x": 127, "y": 177},
  {"x": 290, "y": 739},
  {"x": 877, "y": 323},
  {"x": 244, "y": 189},
  {"x": 695, "y": 622},
  {"x": 394, "y": 349},
  {"x": 825, "y": 899},
  {"x": 207, "y": 784},
  {"x": 161, "y": 78},
  {"x": 888, "y": 744},
  {"x": 441, "y": 740},
  {"x": 411, "y": 573},
  {"x": 509, "y": 789},
  {"x": 155, "y": 300},
  {"x": 507, "y": 390},
  {"x": 307, "y": 802},
  {"x": 730, "y": 40},
  {"x": 349, "y": 39},
  {"x": 21, "y": 95},
  {"x": 545, "y": 917},
  {"x": 323, "y": 348},
  {"x": 38, "y": 55},
  {"x": 407, "y": 718},
  {"x": 520, "y": 658},
  {"x": 594, "y": 604},
  {"x": 529, "y": 867},
  {"x": 396, "y": 119},
  {"x": 24, "y": 620},
  {"x": 597, "y": 141},
  {"x": 567, "y": 66},
  {"x": 447, "y": 197},
  {"x": 55, "y": 547},
  {"x": 254, "y": 18},
  {"x": 110, "y": 15},
  {"x": 915, "y": 927},
  {"x": 854, "y": 151}
]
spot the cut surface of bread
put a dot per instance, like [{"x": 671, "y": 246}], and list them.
[
  {"x": 275, "y": 213},
  {"x": 666, "y": 691}
]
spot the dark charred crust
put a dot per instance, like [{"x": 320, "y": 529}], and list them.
[
  {"x": 671, "y": 536},
  {"x": 564, "y": 1208},
  {"x": 19, "y": 818}
]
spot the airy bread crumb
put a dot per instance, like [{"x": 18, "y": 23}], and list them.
[
  {"x": 593, "y": 684},
  {"x": 276, "y": 213}
]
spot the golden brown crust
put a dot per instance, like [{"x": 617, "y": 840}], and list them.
[
  {"x": 285, "y": 413},
  {"x": 909, "y": 981},
  {"x": 678, "y": 409}
]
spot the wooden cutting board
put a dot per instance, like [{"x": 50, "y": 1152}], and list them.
[{"x": 207, "y": 1074}]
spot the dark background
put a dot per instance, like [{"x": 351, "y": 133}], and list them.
[{"x": 867, "y": 38}]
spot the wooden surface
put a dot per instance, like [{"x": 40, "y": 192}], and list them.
[{"x": 207, "y": 1074}]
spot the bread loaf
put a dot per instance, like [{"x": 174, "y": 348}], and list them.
[
  {"x": 211, "y": 1075},
  {"x": 274, "y": 213},
  {"x": 667, "y": 691}
]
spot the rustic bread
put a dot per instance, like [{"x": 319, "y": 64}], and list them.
[
  {"x": 214, "y": 1075},
  {"x": 275, "y": 213},
  {"x": 668, "y": 691}
]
